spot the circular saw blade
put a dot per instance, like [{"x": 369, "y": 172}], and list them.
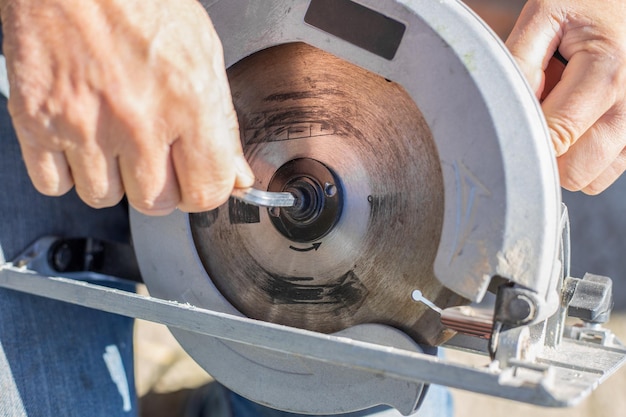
[{"x": 294, "y": 103}]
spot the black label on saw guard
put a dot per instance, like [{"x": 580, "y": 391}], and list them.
[{"x": 358, "y": 25}]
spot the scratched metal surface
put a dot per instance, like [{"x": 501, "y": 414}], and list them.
[{"x": 333, "y": 282}]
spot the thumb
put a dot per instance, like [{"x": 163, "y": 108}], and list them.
[
  {"x": 532, "y": 42},
  {"x": 244, "y": 177}
]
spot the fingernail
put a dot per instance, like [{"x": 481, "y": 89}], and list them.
[{"x": 245, "y": 176}]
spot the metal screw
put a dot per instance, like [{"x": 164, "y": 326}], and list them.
[
  {"x": 330, "y": 189},
  {"x": 521, "y": 308},
  {"x": 274, "y": 211}
]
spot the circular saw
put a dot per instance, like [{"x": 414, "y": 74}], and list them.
[
  {"x": 421, "y": 174},
  {"x": 406, "y": 198}
]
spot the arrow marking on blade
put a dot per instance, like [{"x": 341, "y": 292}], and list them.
[{"x": 315, "y": 247}]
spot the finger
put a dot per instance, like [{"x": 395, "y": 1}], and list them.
[
  {"x": 208, "y": 157},
  {"x": 244, "y": 177},
  {"x": 593, "y": 154},
  {"x": 553, "y": 75},
  {"x": 149, "y": 178},
  {"x": 532, "y": 42},
  {"x": 206, "y": 163},
  {"x": 96, "y": 176},
  {"x": 48, "y": 170},
  {"x": 608, "y": 177},
  {"x": 584, "y": 94}
]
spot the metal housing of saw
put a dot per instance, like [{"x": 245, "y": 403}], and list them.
[{"x": 413, "y": 129}]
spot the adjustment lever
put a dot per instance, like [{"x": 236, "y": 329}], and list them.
[{"x": 261, "y": 198}]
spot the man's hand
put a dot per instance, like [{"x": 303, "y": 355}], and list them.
[
  {"x": 123, "y": 96},
  {"x": 586, "y": 109}
]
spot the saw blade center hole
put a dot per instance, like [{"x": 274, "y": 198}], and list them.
[
  {"x": 319, "y": 200},
  {"x": 309, "y": 200}
]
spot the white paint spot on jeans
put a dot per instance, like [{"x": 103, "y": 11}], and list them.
[
  {"x": 10, "y": 399},
  {"x": 114, "y": 363},
  {"x": 4, "y": 78}
]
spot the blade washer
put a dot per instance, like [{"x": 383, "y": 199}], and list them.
[{"x": 319, "y": 200}]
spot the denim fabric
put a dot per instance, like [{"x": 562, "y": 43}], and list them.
[{"x": 56, "y": 359}]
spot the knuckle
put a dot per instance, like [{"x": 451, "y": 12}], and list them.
[
  {"x": 23, "y": 106},
  {"x": 210, "y": 197},
  {"x": 46, "y": 185},
  {"x": 51, "y": 190},
  {"x": 618, "y": 81},
  {"x": 572, "y": 180},
  {"x": 609, "y": 59},
  {"x": 27, "y": 125},
  {"x": 157, "y": 206},
  {"x": 48, "y": 179},
  {"x": 54, "y": 126},
  {"x": 614, "y": 75},
  {"x": 594, "y": 189},
  {"x": 177, "y": 84},
  {"x": 100, "y": 196},
  {"x": 563, "y": 134},
  {"x": 77, "y": 125}
]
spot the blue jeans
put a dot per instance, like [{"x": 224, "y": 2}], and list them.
[{"x": 57, "y": 359}]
